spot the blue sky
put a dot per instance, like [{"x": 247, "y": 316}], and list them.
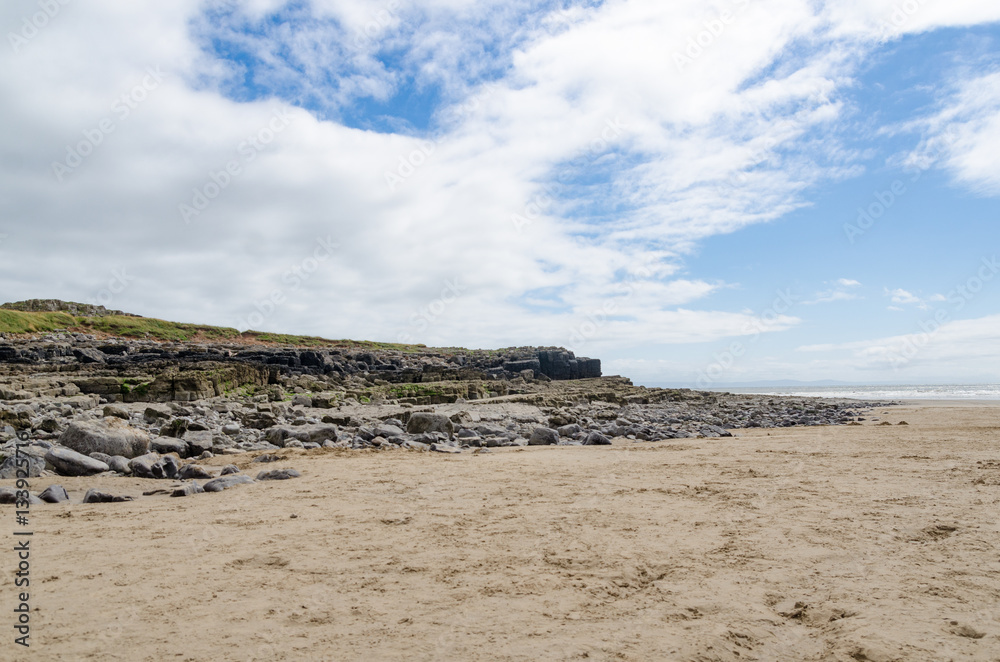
[{"x": 674, "y": 189}]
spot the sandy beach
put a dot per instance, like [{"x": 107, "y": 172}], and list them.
[{"x": 872, "y": 542}]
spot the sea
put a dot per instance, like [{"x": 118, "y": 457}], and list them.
[{"x": 882, "y": 392}]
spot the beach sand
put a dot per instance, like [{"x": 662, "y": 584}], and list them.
[{"x": 872, "y": 542}]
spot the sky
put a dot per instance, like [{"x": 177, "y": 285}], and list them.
[{"x": 694, "y": 192}]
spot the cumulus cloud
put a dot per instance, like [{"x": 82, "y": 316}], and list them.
[{"x": 559, "y": 175}]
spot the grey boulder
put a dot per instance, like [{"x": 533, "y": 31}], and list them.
[
  {"x": 225, "y": 482},
  {"x": 68, "y": 462},
  {"x": 188, "y": 490},
  {"x": 30, "y": 466},
  {"x": 112, "y": 436},
  {"x": 95, "y": 496},
  {"x": 54, "y": 494},
  {"x": 543, "y": 437},
  {"x": 595, "y": 438},
  {"x": 278, "y": 474},
  {"x": 421, "y": 422},
  {"x": 189, "y": 471}
]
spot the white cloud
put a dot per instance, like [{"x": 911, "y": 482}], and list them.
[
  {"x": 900, "y": 295},
  {"x": 935, "y": 350},
  {"x": 681, "y": 153}
]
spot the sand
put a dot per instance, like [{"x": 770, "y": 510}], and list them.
[{"x": 872, "y": 542}]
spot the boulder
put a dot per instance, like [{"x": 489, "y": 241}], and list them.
[
  {"x": 190, "y": 471},
  {"x": 112, "y": 436},
  {"x": 116, "y": 412},
  {"x": 278, "y": 474},
  {"x": 225, "y": 482},
  {"x": 30, "y": 466},
  {"x": 421, "y": 422},
  {"x": 595, "y": 438},
  {"x": 543, "y": 437},
  {"x": 198, "y": 443},
  {"x": 68, "y": 462},
  {"x": 316, "y": 433},
  {"x": 445, "y": 448},
  {"x": 229, "y": 469},
  {"x": 154, "y": 415},
  {"x": 95, "y": 496},
  {"x": 54, "y": 494},
  {"x": 142, "y": 466},
  {"x": 119, "y": 464},
  {"x": 188, "y": 490},
  {"x": 166, "y": 467},
  {"x": 164, "y": 445},
  {"x": 9, "y": 495}
]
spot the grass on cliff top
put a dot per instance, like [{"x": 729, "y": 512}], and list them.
[
  {"x": 17, "y": 322},
  {"x": 12, "y": 321}
]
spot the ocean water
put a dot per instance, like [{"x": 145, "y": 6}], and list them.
[{"x": 884, "y": 392}]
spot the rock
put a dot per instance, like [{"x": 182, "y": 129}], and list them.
[
  {"x": 232, "y": 429},
  {"x": 152, "y": 415},
  {"x": 315, "y": 432},
  {"x": 445, "y": 448},
  {"x": 101, "y": 457},
  {"x": 595, "y": 438},
  {"x": 302, "y": 401},
  {"x": 9, "y": 495},
  {"x": 543, "y": 437},
  {"x": 112, "y": 436},
  {"x": 175, "y": 428},
  {"x": 569, "y": 430},
  {"x": 388, "y": 431},
  {"x": 206, "y": 455},
  {"x": 89, "y": 355},
  {"x": 68, "y": 462},
  {"x": 190, "y": 471},
  {"x": 30, "y": 466},
  {"x": 225, "y": 482},
  {"x": 166, "y": 467},
  {"x": 116, "y": 412},
  {"x": 49, "y": 425},
  {"x": 120, "y": 464},
  {"x": 267, "y": 457},
  {"x": 278, "y": 474},
  {"x": 142, "y": 466},
  {"x": 95, "y": 496},
  {"x": 188, "y": 489},
  {"x": 229, "y": 469},
  {"x": 199, "y": 442},
  {"x": 164, "y": 445},
  {"x": 54, "y": 494}
]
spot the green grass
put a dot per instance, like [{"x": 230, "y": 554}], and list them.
[
  {"x": 17, "y": 322},
  {"x": 12, "y": 321}
]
